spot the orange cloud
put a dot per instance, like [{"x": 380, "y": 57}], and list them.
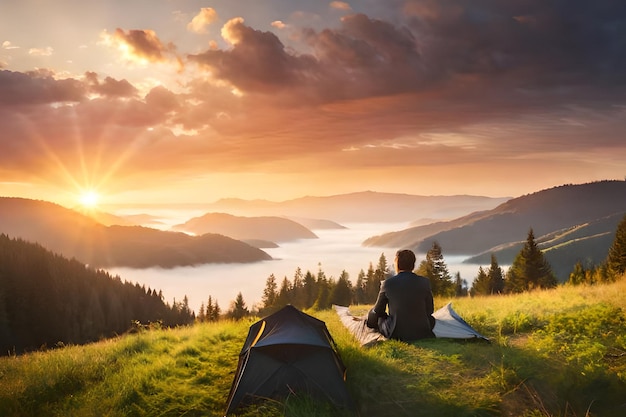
[
  {"x": 202, "y": 20},
  {"x": 142, "y": 45}
]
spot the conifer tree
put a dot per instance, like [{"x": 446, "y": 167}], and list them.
[
  {"x": 284, "y": 294},
  {"x": 480, "y": 286},
  {"x": 309, "y": 289},
  {"x": 460, "y": 286},
  {"x": 578, "y": 275},
  {"x": 269, "y": 294},
  {"x": 496, "y": 277},
  {"x": 616, "y": 260},
  {"x": 359, "y": 288},
  {"x": 342, "y": 290},
  {"x": 371, "y": 290},
  {"x": 322, "y": 301},
  {"x": 297, "y": 289},
  {"x": 435, "y": 269},
  {"x": 529, "y": 269},
  {"x": 201, "y": 317},
  {"x": 238, "y": 308}
]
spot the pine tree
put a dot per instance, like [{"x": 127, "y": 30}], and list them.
[
  {"x": 435, "y": 269},
  {"x": 480, "y": 286},
  {"x": 460, "y": 286},
  {"x": 310, "y": 290},
  {"x": 530, "y": 269},
  {"x": 201, "y": 314},
  {"x": 269, "y": 294},
  {"x": 371, "y": 290},
  {"x": 284, "y": 294},
  {"x": 297, "y": 289},
  {"x": 238, "y": 308},
  {"x": 342, "y": 291},
  {"x": 322, "y": 301},
  {"x": 578, "y": 274},
  {"x": 496, "y": 277},
  {"x": 616, "y": 259},
  {"x": 359, "y": 288}
]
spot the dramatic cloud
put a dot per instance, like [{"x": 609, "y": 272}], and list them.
[
  {"x": 384, "y": 94},
  {"x": 141, "y": 44},
  {"x": 202, "y": 20}
]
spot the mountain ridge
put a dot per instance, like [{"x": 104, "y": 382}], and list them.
[{"x": 502, "y": 228}]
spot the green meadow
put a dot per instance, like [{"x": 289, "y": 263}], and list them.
[{"x": 559, "y": 352}]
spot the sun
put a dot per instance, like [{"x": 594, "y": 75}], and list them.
[{"x": 89, "y": 199}]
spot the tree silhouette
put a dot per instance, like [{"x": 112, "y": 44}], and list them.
[
  {"x": 530, "y": 269},
  {"x": 435, "y": 269},
  {"x": 616, "y": 259},
  {"x": 238, "y": 308},
  {"x": 342, "y": 290}
]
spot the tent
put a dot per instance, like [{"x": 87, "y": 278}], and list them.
[
  {"x": 285, "y": 353},
  {"x": 448, "y": 324}
]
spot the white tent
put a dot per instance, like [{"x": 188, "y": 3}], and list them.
[{"x": 448, "y": 324}]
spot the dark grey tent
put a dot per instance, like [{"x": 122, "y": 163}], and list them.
[{"x": 289, "y": 352}]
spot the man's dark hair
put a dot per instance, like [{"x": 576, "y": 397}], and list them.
[{"x": 406, "y": 260}]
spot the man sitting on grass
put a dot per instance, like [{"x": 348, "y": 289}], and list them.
[{"x": 410, "y": 301}]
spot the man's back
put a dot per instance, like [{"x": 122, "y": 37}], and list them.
[{"x": 410, "y": 304}]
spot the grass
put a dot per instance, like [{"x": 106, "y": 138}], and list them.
[{"x": 553, "y": 353}]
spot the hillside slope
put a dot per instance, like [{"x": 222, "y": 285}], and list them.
[
  {"x": 590, "y": 212},
  {"x": 75, "y": 235},
  {"x": 275, "y": 229}
]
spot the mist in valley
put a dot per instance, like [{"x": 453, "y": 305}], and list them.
[{"x": 334, "y": 251}]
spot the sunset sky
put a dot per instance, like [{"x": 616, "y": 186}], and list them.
[{"x": 162, "y": 101}]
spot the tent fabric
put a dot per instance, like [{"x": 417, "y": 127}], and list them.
[
  {"x": 286, "y": 353},
  {"x": 448, "y": 324}
]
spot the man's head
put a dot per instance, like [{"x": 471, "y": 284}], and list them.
[{"x": 405, "y": 260}]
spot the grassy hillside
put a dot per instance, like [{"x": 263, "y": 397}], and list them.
[{"x": 553, "y": 353}]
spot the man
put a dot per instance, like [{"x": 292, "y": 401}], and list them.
[{"x": 410, "y": 301}]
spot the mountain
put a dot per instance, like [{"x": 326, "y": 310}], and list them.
[
  {"x": 75, "y": 235},
  {"x": 276, "y": 229},
  {"x": 572, "y": 222},
  {"x": 361, "y": 207}
]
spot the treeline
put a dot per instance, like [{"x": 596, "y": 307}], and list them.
[
  {"x": 529, "y": 270},
  {"x": 48, "y": 300}
]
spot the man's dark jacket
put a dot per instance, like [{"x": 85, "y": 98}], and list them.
[{"x": 410, "y": 300}]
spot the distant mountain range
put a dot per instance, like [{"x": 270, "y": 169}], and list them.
[
  {"x": 571, "y": 223},
  {"x": 361, "y": 207},
  {"x": 76, "y": 235}
]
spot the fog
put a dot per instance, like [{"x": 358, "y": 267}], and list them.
[{"x": 334, "y": 252}]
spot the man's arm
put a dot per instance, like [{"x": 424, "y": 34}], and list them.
[{"x": 379, "y": 310}]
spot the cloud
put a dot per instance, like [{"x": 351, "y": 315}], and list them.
[
  {"x": 9, "y": 45},
  {"x": 140, "y": 45},
  {"x": 202, "y": 20},
  {"x": 37, "y": 87},
  {"x": 435, "y": 85},
  {"x": 340, "y": 5},
  {"x": 278, "y": 24},
  {"x": 110, "y": 87},
  {"x": 47, "y": 51}
]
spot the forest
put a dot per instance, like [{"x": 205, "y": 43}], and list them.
[{"x": 47, "y": 300}]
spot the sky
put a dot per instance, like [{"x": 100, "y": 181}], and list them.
[{"x": 186, "y": 101}]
